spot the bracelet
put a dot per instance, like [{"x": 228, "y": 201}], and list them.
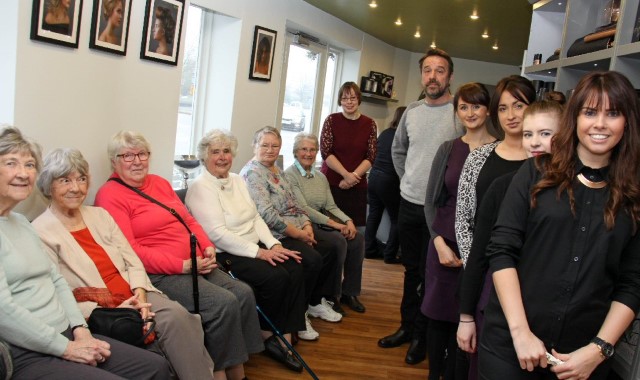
[{"x": 471, "y": 321}]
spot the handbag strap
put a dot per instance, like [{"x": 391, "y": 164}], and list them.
[{"x": 193, "y": 240}]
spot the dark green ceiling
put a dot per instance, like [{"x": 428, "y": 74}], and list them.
[{"x": 446, "y": 22}]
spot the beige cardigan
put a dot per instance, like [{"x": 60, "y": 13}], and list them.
[{"x": 76, "y": 266}]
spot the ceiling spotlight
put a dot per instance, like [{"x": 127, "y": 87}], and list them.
[
  {"x": 417, "y": 35},
  {"x": 398, "y": 21},
  {"x": 495, "y": 46},
  {"x": 485, "y": 34},
  {"x": 474, "y": 15},
  {"x": 373, "y": 4},
  {"x": 433, "y": 45}
]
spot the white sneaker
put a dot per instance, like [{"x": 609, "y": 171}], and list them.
[
  {"x": 324, "y": 311},
  {"x": 309, "y": 333}
]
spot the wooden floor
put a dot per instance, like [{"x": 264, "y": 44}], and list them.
[{"x": 349, "y": 349}]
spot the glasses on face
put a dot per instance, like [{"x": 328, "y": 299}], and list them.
[
  {"x": 309, "y": 150},
  {"x": 269, "y": 146},
  {"x": 67, "y": 182},
  {"x": 130, "y": 157},
  {"x": 350, "y": 99}
]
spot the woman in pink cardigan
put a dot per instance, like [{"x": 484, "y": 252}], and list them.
[{"x": 91, "y": 251}]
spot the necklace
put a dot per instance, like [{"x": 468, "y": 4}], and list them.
[{"x": 591, "y": 184}]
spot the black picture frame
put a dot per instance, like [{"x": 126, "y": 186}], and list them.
[
  {"x": 46, "y": 28},
  {"x": 264, "y": 40},
  {"x": 169, "y": 13},
  {"x": 100, "y": 21}
]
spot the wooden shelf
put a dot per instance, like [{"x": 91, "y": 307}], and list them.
[{"x": 377, "y": 98}]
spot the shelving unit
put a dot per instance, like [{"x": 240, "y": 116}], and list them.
[
  {"x": 558, "y": 23},
  {"x": 376, "y": 98}
]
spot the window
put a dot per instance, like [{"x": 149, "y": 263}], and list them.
[{"x": 308, "y": 98}]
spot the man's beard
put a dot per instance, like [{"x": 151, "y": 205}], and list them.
[{"x": 435, "y": 95}]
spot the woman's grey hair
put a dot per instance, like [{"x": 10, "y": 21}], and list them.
[
  {"x": 60, "y": 163},
  {"x": 300, "y": 137},
  {"x": 263, "y": 131},
  {"x": 128, "y": 140},
  {"x": 12, "y": 141},
  {"x": 216, "y": 137}
]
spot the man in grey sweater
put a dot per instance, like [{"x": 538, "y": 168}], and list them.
[{"x": 424, "y": 126}]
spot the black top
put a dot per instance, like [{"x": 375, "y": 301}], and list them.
[
  {"x": 472, "y": 282},
  {"x": 570, "y": 267},
  {"x": 494, "y": 167},
  {"x": 383, "y": 161}
]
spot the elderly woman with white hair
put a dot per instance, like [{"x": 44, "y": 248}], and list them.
[
  {"x": 227, "y": 306},
  {"x": 102, "y": 269},
  {"x": 220, "y": 201},
  {"x": 39, "y": 318},
  {"x": 337, "y": 228}
]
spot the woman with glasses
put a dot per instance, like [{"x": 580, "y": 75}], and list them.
[
  {"x": 348, "y": 147},
  {"x": 227, "y": 306}
]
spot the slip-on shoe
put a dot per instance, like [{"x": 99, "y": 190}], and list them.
[
  {"x": 396, "y": 339},
  {"x": 353, "y": 303},
  {"x": 279, "y": 353}
]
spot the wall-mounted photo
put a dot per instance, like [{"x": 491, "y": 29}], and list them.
[
  {"x": 264, "y": 44},
  {"x": 110, "y": 25},
  {"x": 56, "y": 21},
  {"x": 162, "y": 30}
]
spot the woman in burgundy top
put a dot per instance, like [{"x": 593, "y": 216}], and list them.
[{"x": 348, "y": 148}]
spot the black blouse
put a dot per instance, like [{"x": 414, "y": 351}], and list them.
[{"x": 570, "y": 267}]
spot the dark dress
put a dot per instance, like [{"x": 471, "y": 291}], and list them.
[
  {"x": 351, "y": 142},
  {"x": 383, "y": 193}
]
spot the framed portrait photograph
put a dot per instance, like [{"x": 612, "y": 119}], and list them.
[
  {"x": 110, "y": 25},
  {"x": 162, "y": 30},
  {"x": 56, "y": 21},
  {"x": 264, "y": 44}
]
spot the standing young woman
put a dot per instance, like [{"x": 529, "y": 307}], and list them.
[
  {"x": 443, "y": 268},
  {"x": 565, "y": 248},
  {"x": 348, "y": 148}
]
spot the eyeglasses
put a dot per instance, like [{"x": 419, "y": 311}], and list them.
[
  {"x": 309, "y": 150},
  {"x": 351, "y": 99},
  {"x": 66, "y": 181},
  {"x": 130, "y": 157},
  {"x": 267, "y": 147}
]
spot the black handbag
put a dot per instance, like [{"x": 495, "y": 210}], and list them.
[{"x": 121, "y": 323}]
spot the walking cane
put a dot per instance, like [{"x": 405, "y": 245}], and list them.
[
  {"x": 227, "y": 270},
  {"x": 194, "y": 273}
]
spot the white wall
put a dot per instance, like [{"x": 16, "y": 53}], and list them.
[{"x": 80, "y": 97}]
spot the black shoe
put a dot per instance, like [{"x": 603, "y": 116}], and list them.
[
  {"x": 392, "y": 260},
  {"x": 353, "y": 303},
  {"x": 273, "y": 348},
  {"x": 396, "y": 339},
  {"x": 335, "y": 305},
  {"x": 417, "y": 351}
]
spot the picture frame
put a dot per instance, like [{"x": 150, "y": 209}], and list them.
[
  {"x": 110, "y": 26},
  {"x": 58, "y": 24},
  {"x": 162, "y": 31},
  {"x": 262, "y": 52}
]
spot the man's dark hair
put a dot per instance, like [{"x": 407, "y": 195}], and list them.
[{"x": 438, "y": 53}]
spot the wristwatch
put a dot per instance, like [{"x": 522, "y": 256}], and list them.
[
  {"x": 606, "y": 348},
  {"x": 84, "y": 325}
]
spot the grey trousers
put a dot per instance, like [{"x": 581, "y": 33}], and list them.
[
  {"x": 228, "y": 312},
  {"x": 180, "y": 338},
  {"x": 350, "y": 256},
  {"x": 126, "y": 362}
]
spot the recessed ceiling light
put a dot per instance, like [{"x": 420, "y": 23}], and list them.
[
  {"x": 417, "y": 35},
  {"x": 433, "y": 45},
  {"x": 373, "y": 4},
  {"x": 495, "y": 46},
  {"x": 485, "y": 34},
  {"x": 595, "y": 64},
  {"x": 474, "y": 15},
  {"x": 398, "y": 21}
]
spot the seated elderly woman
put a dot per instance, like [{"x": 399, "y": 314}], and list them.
[
  {"x": 220, "y": 201},
  {"x": 162, "y": 242},
  {"x": 314, "y": 195},
  {"x": 278, "y": 205},
  {"x": 39, "y": 318},
  {"x": 91, "y": 252}
]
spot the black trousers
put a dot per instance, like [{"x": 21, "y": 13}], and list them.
[
  {"x": 414, "y": 240},
  {"x": 383, "y": 193},
  {"x": 279, "y": 289}
]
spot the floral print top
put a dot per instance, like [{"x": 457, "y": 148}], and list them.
[{"x": 274, "y": 197}]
